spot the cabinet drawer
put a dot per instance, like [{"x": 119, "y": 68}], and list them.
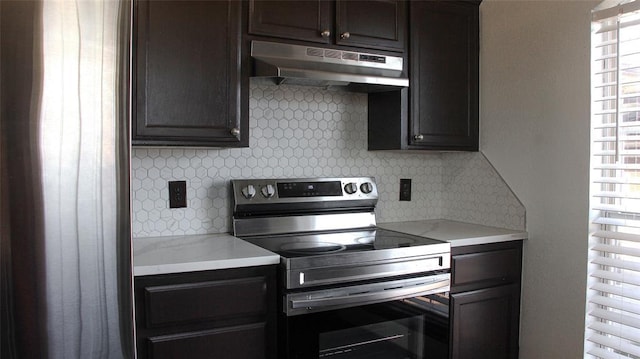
[
  {"x": 204, "y": 301},
  {"x": 499, "y": 265},
  {"x": 242, "y": 342}
]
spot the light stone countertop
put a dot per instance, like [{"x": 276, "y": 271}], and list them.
[
  {"x": 177, "y": 254},
  {"x": 456, "y": 233}
]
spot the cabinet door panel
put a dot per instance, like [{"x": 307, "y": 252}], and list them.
[
  {"x": 187, "y": 80},
  {"x": 291, "y": 19},
  {"x": 243, "y": 342},
  {"x": 485, "y": 323},
  {"x": 486, "y": 266},
  {"x": 444, "y": 74},
  {"x": 204, "y": 301},
  {"x": 378, "y": 24}
]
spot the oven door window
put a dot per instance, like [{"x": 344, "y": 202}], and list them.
[
  {"x": 415, "y": 328},
  {"x": 392, "y": 339}
]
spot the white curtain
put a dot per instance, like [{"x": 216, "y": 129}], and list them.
[{"x": 79, "y": 117}]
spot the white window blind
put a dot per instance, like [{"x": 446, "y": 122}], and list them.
[{"x": 613, "y": 312}]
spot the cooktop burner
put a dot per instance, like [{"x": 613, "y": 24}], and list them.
[
  {"x": 302, "y": 248},
  {"x": 319, "y": 244},
  {"x": 387, "y": 240}
]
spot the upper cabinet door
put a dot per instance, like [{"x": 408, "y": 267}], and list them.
[
  {"x": 188, "y": 74},
  {"x": 443, "y": 64},
  {"x": 378, "y": 24},
  {"x": 369, "y": 24},
  {"x": 291, "y": 19}
]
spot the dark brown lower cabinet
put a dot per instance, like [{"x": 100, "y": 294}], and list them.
[
  {"x": 485, "y": 323},
  {"x": 211, "y": 314},
  {"x": 485, "y": 301}
]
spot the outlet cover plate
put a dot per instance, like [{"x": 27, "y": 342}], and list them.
[
  {"x": 177, "y": 194},
  {"x": 405, "y": 189}
]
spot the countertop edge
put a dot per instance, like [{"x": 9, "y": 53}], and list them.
[
  {"x": 484, "y": 240},
  {"x": 455, "y": 232},
  {"x": 139, "y": 271}
]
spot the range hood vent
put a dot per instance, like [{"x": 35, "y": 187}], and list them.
[{"x": 312, "y": 66}]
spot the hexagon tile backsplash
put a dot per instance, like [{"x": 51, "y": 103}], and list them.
[{"x": 312, "y": 132}]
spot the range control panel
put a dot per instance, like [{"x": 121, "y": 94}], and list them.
[{"x": 257, "y": 191}]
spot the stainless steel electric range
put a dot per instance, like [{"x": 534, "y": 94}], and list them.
[{"x": 347, "y": 288}]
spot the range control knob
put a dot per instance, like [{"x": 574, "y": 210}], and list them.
[
  {"x": 351, "y": 188},
  {"x": 366, "y": 187},
  {"x": 249, "y": 191},
  {"x": 268, "y": 191}
]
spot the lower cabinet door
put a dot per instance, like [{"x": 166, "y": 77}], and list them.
[
  {"x": 241, "y": 342},
  {"x": 484, "y": 323}
]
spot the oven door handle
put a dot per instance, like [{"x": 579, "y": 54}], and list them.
[{"x": 372, "y": 297}]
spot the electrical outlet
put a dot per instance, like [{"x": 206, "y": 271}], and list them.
[
  {"x": 177, "y": 194},
  {"x": 405, "y": 189}
]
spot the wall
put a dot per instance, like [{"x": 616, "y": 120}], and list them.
[
  {"x": 535, "y": 131},
  {"x": 311, "y": 132}
]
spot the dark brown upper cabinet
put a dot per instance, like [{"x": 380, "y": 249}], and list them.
[
  {"x": 371, "y": 24},
  {"x": 189, "y": 84},
  {"x": 442, "y": 99},
  {"x": 444, "y": 74}
]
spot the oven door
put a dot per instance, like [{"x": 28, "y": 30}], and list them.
[
  {"x": 400, "y": 319},
  {"x": 413, "y": 328}
]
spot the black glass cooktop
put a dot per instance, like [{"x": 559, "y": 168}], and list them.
[{"x": 327, "y": 243}]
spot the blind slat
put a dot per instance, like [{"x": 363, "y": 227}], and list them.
[
  {"x": 621, "y": 209},
  {"x": 616, "y": 166},
  {"x": 610, "y": 262},
  {"x": 617, "y": 222},
  {"x": 606, "y": 125},
  {"x": 617, "y": 235},
  {"x": 615, "y": 304},
  {"x": 617, "y": 277},
  {"x": 616, "y": 317},
  {"x": 604, "y": 328},
  {"x": 615, "y": 290},
  {"x": 633, "y": 153},
  {"x": 602, "y": 126},
  {"x": 614, "y": 344},
  {"x": 602, "y": 353},
  {"x": 616, "y": 180},
  {"x": 619, "y": 194},
  {"x": 607, "y": 248}
]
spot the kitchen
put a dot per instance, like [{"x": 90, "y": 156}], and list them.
[{"x": 523, "y": 127}]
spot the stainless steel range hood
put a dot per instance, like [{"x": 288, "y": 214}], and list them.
[{"x": 313, "y": 66}]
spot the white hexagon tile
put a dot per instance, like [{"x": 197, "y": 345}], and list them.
[
  {"x": 474, "y": 192},
  {"x": 312, "y": 132}
]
